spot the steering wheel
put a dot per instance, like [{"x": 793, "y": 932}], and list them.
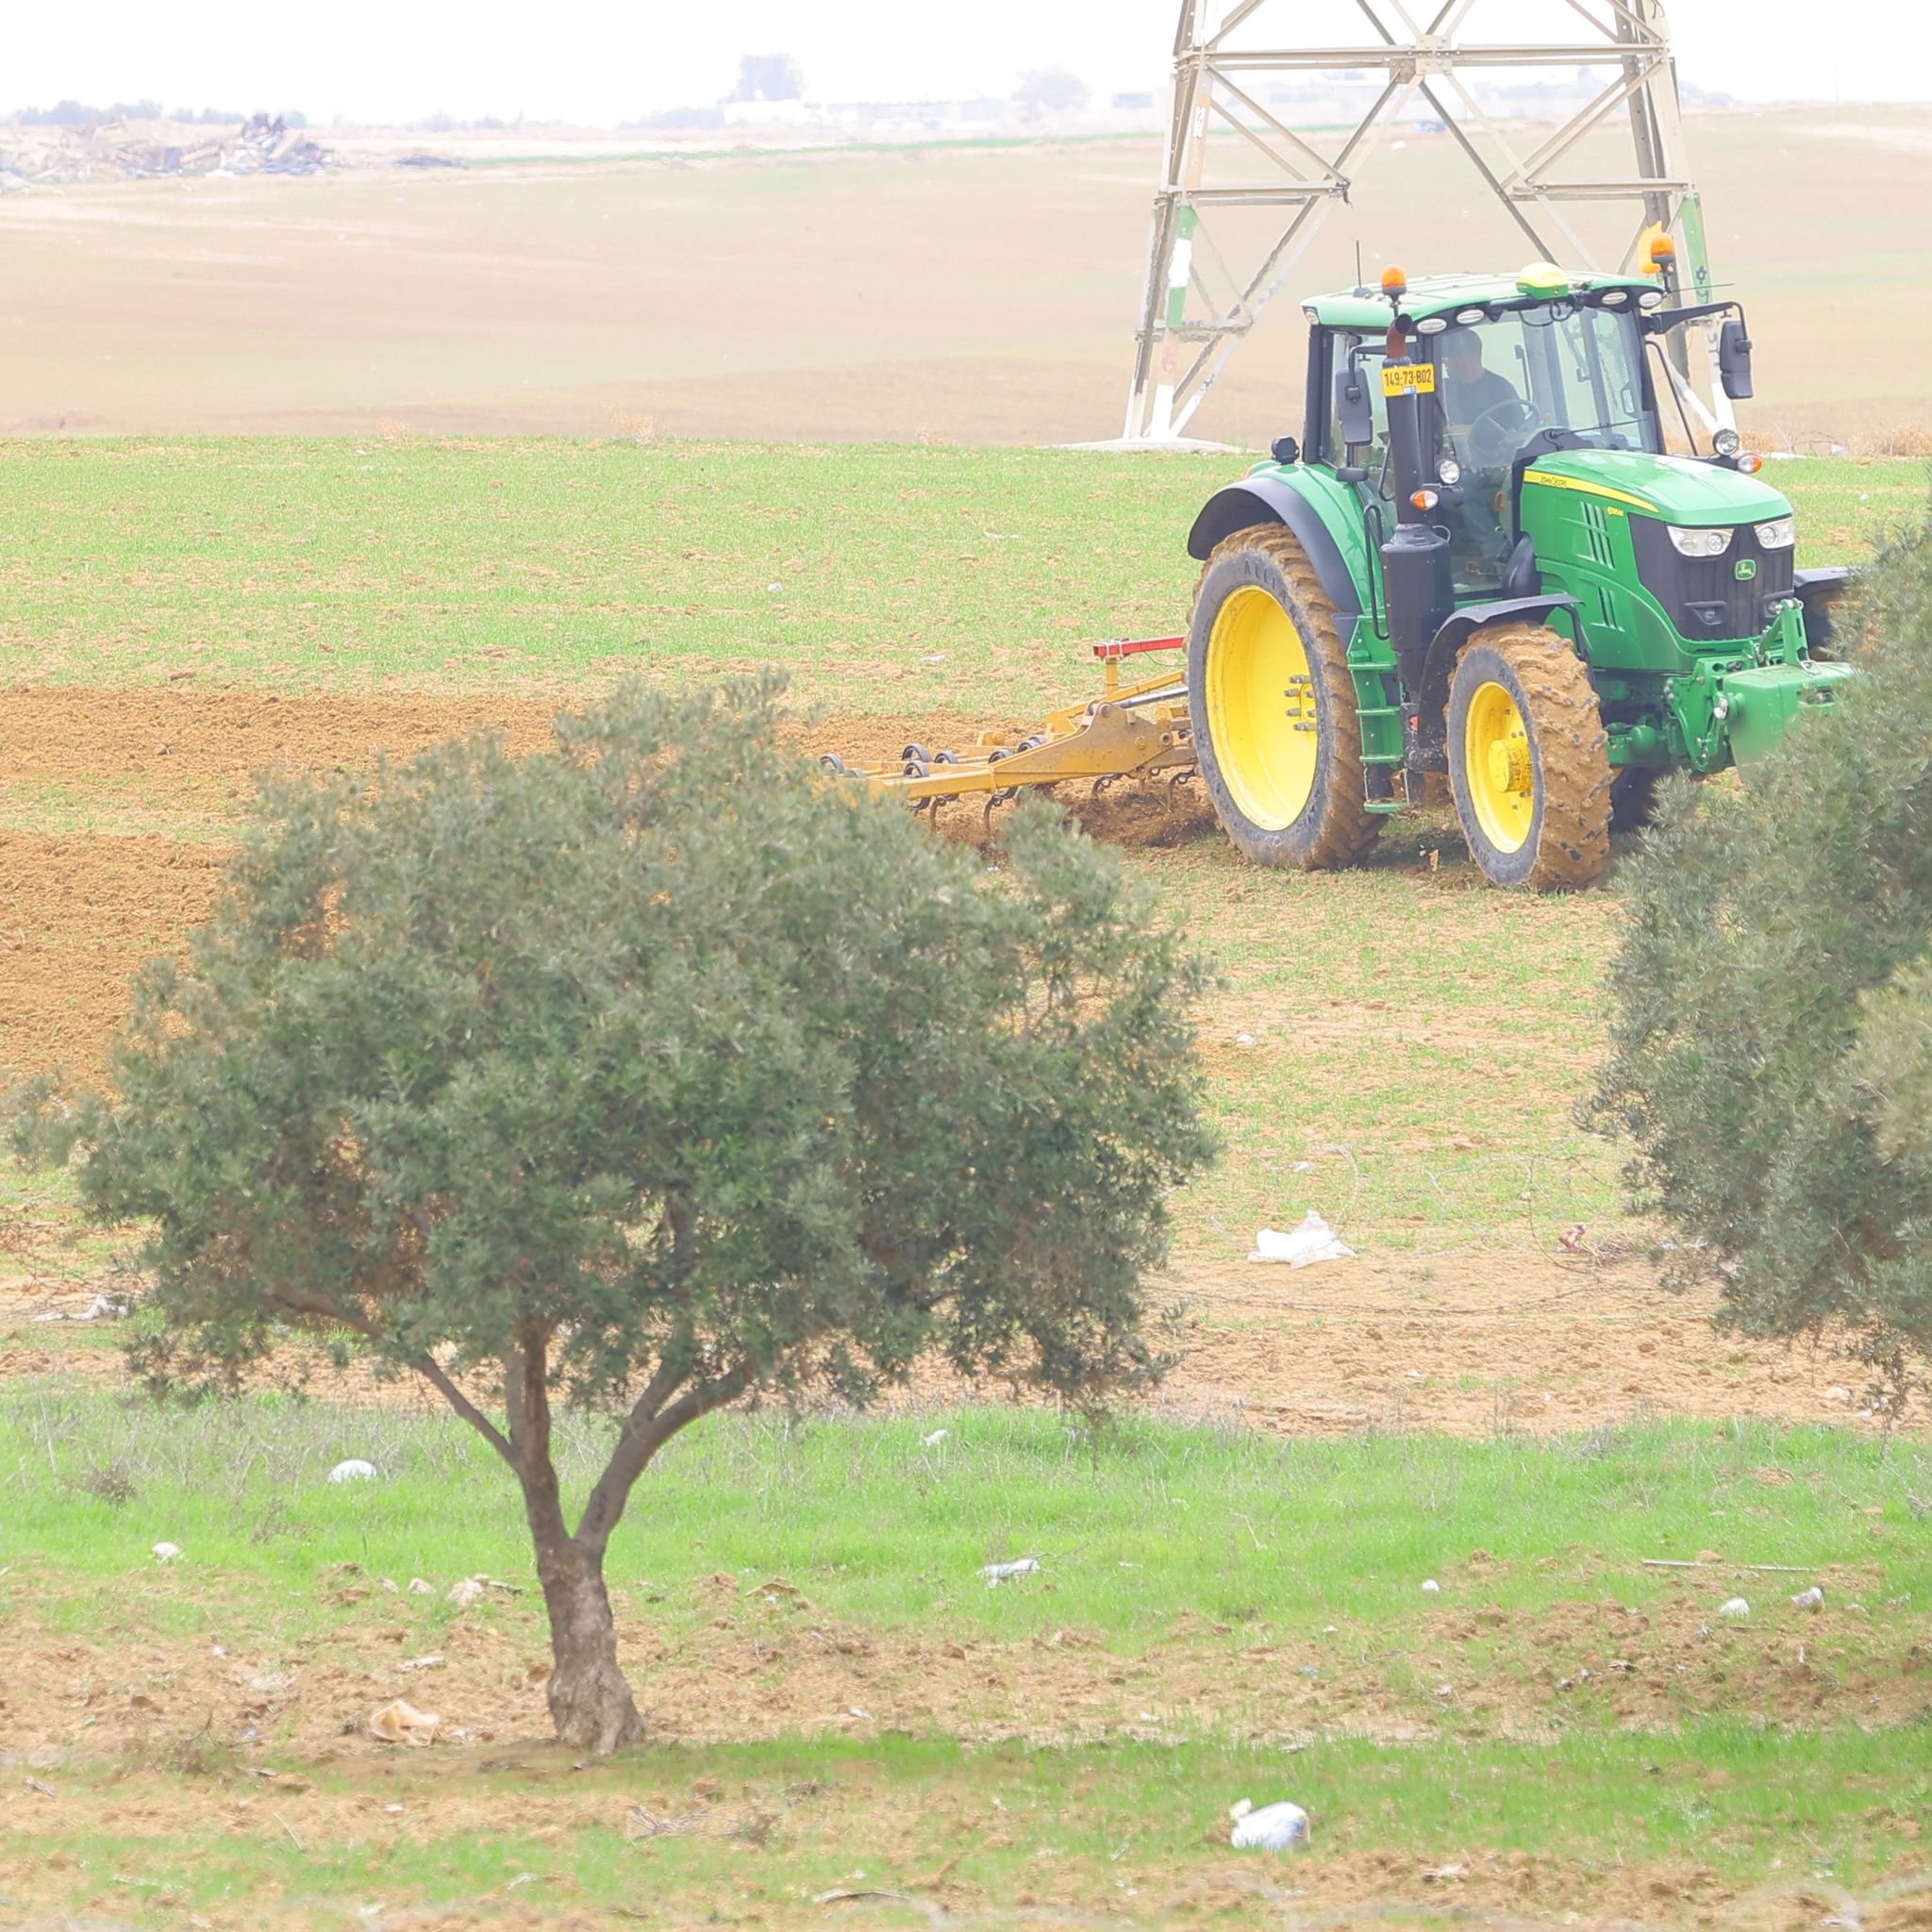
[{"x": 1494, "y": 436}]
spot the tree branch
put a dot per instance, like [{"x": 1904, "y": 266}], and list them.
[
  {"x": 431, "y": 1371},
  {"x": 426, "y": 1365},
  {"x": 639, "y": 1443}
]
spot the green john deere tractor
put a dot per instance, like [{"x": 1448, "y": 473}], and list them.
[{"x": 1479, "y": 561}]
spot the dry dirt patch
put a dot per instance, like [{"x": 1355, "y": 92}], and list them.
[
  {"x": 80, "y": 913},
  {"x": 765, "y": 1664},
  {"x": 1484, "y": 1342},
  {"x": 1473, "y": 1343}
]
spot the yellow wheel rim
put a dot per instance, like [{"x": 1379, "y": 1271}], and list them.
[
  {"x": 1497, "y": 767},
  {"x": 1261, "y": 717}
]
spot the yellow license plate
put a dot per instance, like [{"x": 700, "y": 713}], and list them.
[{"x": 1406, "y": 378}]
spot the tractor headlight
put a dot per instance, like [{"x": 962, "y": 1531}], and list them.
[
  {"x": 1727, "y": 443},
  {"x": 1700, "y": 543},
  {"x": 1448, "y": 472},
  {"x": 1780, "y": 535}
]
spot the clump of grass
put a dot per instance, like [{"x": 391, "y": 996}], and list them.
[{"x": 109, "y": 1481}]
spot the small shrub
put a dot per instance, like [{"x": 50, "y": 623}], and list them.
[{"x": 111, "y": 1481}]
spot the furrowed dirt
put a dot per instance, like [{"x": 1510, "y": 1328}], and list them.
[
  {"x": 79, "y": 912},
  {"x": 1536, "y": 1342},
  {"x": 763, "y": 1663}
]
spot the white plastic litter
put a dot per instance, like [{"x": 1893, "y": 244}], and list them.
[
  {"x": 1272, "y": 1828},
  {"x": 353, "y": 1471},
  {"x": 1735, "y": 1608},
  {"x": 465, "y": 1592},
  {"x": 166, "y": 1553},
  {"x": 100, "y": 1309},
  {"x": 1313, "y": 1241},
  {"x": 1430, "y": 1587},
  {"x": 997, "y": 1573},
  {"x": 1812, "y": 1599},
  {"x": 938, "y": 1436}
]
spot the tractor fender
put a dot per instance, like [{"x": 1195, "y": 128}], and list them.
[
  {"x": 1268, "y": 500},
  {"x": 1439, "y": 666}
]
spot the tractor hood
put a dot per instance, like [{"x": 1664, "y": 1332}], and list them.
[{"x": 1679, "y": 490}]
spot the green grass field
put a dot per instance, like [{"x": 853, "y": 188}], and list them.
[
  {"x": 1181, "y": 1554},
  {"x": 1135, "y": 1524},
  {"x": 890, "y": 581}
]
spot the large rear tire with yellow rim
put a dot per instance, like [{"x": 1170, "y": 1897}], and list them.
[
  {"x": 1273, "y": 706},
  {"x": 1529, "y": 760}
]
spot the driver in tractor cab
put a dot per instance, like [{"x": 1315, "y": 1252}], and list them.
[
  {"x": 1469, "y": 389},
  {"x": 1468, "y": 394}
]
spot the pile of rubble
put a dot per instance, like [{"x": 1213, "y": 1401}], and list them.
[{"x": 137, "y": 150}]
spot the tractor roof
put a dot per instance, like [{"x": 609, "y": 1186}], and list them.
[{"x": 1368, "y": 309}]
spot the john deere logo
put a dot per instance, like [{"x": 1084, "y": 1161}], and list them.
[{"x": 1747, "y": 569}]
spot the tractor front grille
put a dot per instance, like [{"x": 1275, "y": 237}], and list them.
[{"x": 1704, "y": 596}]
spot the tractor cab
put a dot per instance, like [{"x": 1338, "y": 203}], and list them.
[{"x": 1510, "y": 371}]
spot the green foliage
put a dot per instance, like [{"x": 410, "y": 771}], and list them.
[
  {"x": 652, "y": 1059},
  {"x": 1772, "y": 1002}
]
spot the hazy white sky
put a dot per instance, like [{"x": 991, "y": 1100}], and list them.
[{"x": 596, "y": 61}]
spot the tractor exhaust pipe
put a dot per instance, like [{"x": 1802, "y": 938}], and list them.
[{"x": 1416, "y": 584}]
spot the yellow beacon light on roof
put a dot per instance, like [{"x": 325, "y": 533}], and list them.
[{"x": 1543, "y": 278}]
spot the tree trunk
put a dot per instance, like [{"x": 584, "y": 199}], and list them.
[{"x": 590, "y": 1701}]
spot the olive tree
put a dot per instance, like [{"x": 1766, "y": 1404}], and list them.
[
  {"x": 648, "y": 1073},
  {"x": 1771, "y": 1039}
]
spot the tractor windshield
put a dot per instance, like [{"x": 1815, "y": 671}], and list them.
[
  {"x": 1566, "y": 375},
  {"x": 1558, "y": 366}
]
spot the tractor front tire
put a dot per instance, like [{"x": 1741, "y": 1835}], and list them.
[
  {"x": 1529, "y": 759},
  {"x": 1273, "y": 706}
]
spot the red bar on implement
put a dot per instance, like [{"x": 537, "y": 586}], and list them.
[{"x": 1124, "y": 647}]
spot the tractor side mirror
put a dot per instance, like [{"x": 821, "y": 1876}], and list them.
[
  {"x": 1734, "y": 360},
  {"x": 1352, "y": 408}
]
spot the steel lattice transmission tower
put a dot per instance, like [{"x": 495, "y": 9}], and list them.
[{"x": 1226, "y": 150}]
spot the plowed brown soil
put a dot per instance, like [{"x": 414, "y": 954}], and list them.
[
  {"x": 759, "y": 1661},
  {"x": 77, "y": 917},
  {"x": 177, "y": 738},
  {"x": 1539, "y": 1342},
  {"x": 78, "y": 913}
]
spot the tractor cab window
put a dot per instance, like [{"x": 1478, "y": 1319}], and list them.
[
  {"x": 1555, "y": 366},
  {"x": 1502, "y": 379}
]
